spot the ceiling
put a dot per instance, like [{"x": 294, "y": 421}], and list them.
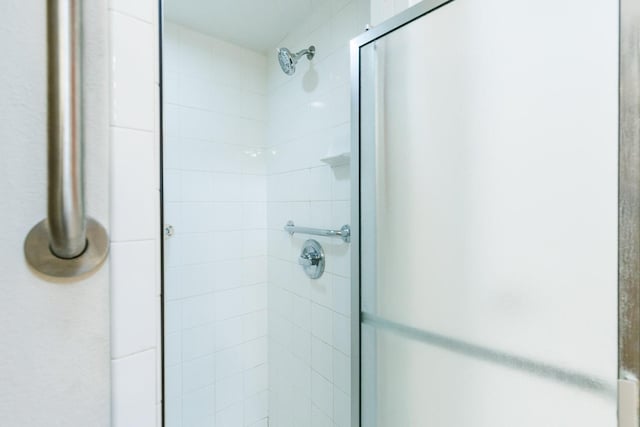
[{"x": 256, "y": 24}]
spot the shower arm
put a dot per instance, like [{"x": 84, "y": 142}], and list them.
[
  {"x": 66, "y": 243},
  {"x": 309, "y": 52}
]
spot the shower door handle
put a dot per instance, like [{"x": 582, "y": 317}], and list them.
[{"x": 66, "y": 243}]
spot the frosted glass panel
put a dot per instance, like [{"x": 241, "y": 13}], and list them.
[
  {"x": 489, "y": 212},
  {"x": 422, "y": 385}
]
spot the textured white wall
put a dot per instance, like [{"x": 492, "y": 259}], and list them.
[{"x": 54, "y": 337}]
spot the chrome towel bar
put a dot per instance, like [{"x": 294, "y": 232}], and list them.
[
  {"x": 344, "y": 233},
  {"x": 66, "y": 243}
]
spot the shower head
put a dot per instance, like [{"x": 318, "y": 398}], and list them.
[{"x": 289, "y": 60}]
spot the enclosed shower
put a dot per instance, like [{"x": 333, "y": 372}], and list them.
[
  {"x": 320, "y": 213},
  {"x": 391, "y": 223},
  {"x": 256, "y": 317}
]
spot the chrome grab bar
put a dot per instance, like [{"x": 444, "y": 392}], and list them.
[
  {"x": 66, "y": 243},
  {"x": 67, "y": 225},
  {"x": 344, "y": 233}
]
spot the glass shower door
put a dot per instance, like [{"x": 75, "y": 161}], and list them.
[{"x": 488, "y": 217}]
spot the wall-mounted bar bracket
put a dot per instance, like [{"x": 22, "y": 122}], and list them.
[
  {"x": 66, "y": 243},
  {"x": 41, "y": 258}
]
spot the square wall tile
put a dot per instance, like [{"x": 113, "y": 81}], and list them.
[
  {"x": 321, "y": 323},
  {"x": 198, "y": 373},
  {"x": 141, "y": 9},
  {"x": 322, "y": 358},
  {"x": 173, "y": 316},
  {"x": 342, "y": 371},
  {"x": 342, "y": 333},
  {"x": 229, "y": 362},
  {"x": 173, "y": 348},
  {"x": 132, "y": 72},
  {"x": 133, "y": 195},
  {"x": 198, "y": 342},
  {"x": 341, "y": 408},
  {"x": 255, "y": 353},
  {"x": 231, "y": 416},
  {"x": 322, "y": 393},
  {"x": 133, "y": 390},
  {"x": 173, "y": 411},
  {"x": 256, "y": 408},
  {"x": 342, "y": 295},
  {"x": 256, "y": 380},
  {"x": 197, "y": 311},
  {"x": 133, "y": 301},
  {"x": 229, "y": 391},
  {"x": 173, "y": 382},
  {"x": 254, "y": 325},
  {"x": 198, "y": 407}
]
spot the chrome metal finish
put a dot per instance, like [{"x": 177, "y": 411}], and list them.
[
  {"x": 66, "y": 216},
  {"x": 355, "y": 235},
  {"x": 400, "y": 20},
  {"x": 371, "y": 34},
  {"x": 40, "y": 257},
  {"x": 371, "y": 135},
  {"x": 168, "y": 231},
  {"x": 289, "y": 60},
  {"x": 344, "y": 233},
  {"x": 628, "y": 403},
  {"x": 312, "y": 259},
  {"x": 77, "y": 242},
  {"x": 629, "y": 212}
]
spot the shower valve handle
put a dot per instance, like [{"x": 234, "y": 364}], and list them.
[{"x": 309, "y": 259}]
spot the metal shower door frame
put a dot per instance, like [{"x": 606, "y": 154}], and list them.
[
  {"x": 628, "y": 202},
  {"x": 373, "y": 34}
]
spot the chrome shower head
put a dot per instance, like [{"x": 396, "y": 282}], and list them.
[{"x": 289, "y": 60}]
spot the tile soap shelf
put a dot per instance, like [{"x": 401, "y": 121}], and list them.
[
  {"x": 338, "y": 154},
  {"x": 337, "y": 160}
]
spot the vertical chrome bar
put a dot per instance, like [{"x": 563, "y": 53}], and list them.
[
  {"x": 355, "y": 234},
  {"x": 66, "y": 216},
  {"x": 67, "y": 243},
  {"x": 629, "y": 212}
]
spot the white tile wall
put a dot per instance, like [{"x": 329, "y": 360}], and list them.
[
  {"x": 133, "y": 378},
  {"x": 243, "y": 144},
  {"x": 132, "y": 75},
  {"x": 215, "y": 192},
  {"x": 242, "y": 157},
  {"x": 133, "y": 298},
  {"x": 135, "y": 267},
  {"x": 309, "y": 343},
  {"x": 133, "y": 207}
]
